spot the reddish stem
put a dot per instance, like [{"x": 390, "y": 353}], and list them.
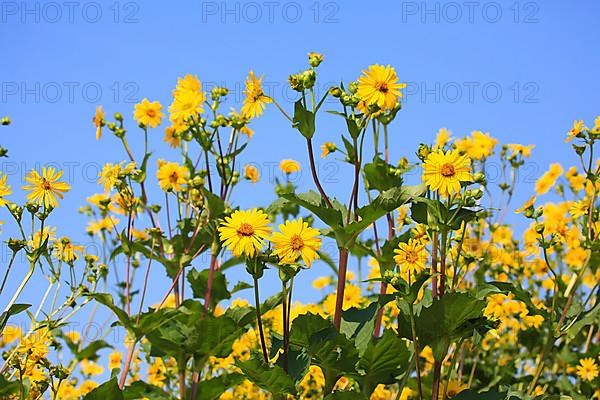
[{"x": 341, "y": 285}]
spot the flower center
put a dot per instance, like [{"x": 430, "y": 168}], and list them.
[
  {"x": 412, "y": 257},
  {"x": 46, "y": 185},
  {"x": 245, "y": 229},
  {"x": 448, "y": 170},
  {"x": 151, "y": 113},
  {"x": 382, "y": 87},
  {"x": 296, "y": 243},
  {"x": 174, "y": 177}
]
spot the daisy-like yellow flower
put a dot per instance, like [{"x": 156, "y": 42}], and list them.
[
  {"x": 379, "y": 85},
  {"x": 296, "y": 239},
  {"x": 587, "y": 369},
  {"x": 171, "y": 175},
  {"x": 442, "y": 138},
  {"x": 105, "y": 224},
  {"x": 66, "y": 251},
  {"x": 526, "y": 205},
  {"x": 516, "y": 149},
  {"x": 91, "y": 368},
  {"x": 4, "y": 190},
  {"x": 578, "y": 209},
  {"x": 327, "y": 148},
  {"x": 289, "y": 166},
  {"x": 244, "y": 231},
  {"x": 109, "y": 175},
  {"x": 98, "y": 121},
  {"x": 185, "y": 104},
  {"x": 148, "y": 113},
  {"x": 251, "y": 173},
  {"x": 189, "y": 83},
  {"x": 411, "y": 257},
  {"x": 549, "y": 178},
  {"x": 256, "y": 99},
  {"x": 444, "y": 171},
  {"x": 114, "y": 360},
  {"x": 172, "y": 133},
  {"x": 577, "y": 128},
  {"x": 45, "y": 188}
]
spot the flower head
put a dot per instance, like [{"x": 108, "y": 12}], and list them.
[
  {"x": 251, "y": 173},
  {"x": 4, "y": 190},
  {"x": 46, "y": 187},
  {"x": 148, "y": 113},
  {"x": 256, "y": 99},
  {"x": 98, "y": 121},
  {"x": 244, "y": 231},
  {"x": 66, "y": 251},
  {"x": 577, "y": 128},
  {"x": 411, "y": 257},
  {"x": 171, "y": 176},
  {"x": 289, "y": 166},
  {"x": 327, "y": 148},
  {"x": 587, "y": 369},
  {"x": 379, "y": 86},
  {"x": 296, "y": 239},
  {"x": 444, "y": 171}
]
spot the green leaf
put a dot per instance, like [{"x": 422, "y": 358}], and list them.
[
  {"x": 590, "y": 317},
  {"x": 140, "y": 390},
  {"x": 90, "y": 351},
  {"x": 312, "y": 202},
  {"x": 13, "y": 310},
  {"x": 199, "y": 283},
  {"x": 472, "y": 395},
  {"x": 346, "y": 396},
  {"x": 272, "y": 379},
  {"x": 216, "y": 206},
  {"x": 455, "y": 316},
  {"x": 358, "y": 324},
  {"x": 304, "y": 120},
  {"x": 381, "y": 176},
  {"x": 213, "y": 388},
  {"x": 8, "y": 387},
  {"x": 384, "y": 359},
  {"x": 108, "y": 390}
]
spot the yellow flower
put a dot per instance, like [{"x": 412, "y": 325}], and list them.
[
  {"x": 87, "y": 386},
  {"x": 110, "y": 175},
  {"x": 296, "y": 239},
  {"x": 587, "y": 369},
  {"x": 245, "y": 231},
  {"x": 321, "y": 282},
  {"x": 442, "y": 138},
  {"x": 596, "y": 125},
  {"x": 327, "y": 148},
  {"x": 73, "y": 336},
  {"x": 171, "y": 175},
  {"x": 517, "y": 149},
  {"x": 11, "y": 333},
  {"x": 90, "y": 368},
  {"x": 173, "y": 133},
  {"x": 98, "y": 121},
  {"x": 482, "y": 145},
  {"x": 578, "y": 209},
  {"x": 148, "y": 113},
  {"x": 4, "y": 190},
  {"x": 526, "y": 205},
  {"x": 66, "y": 251},
  {"x": 247, "y": 131},
  {"x": 549, "y": 178},
  {"x": 444, "y": 172},
  {"x": 189, "y": 83},
  {"x": 379, "y": 86},
  {"x": 251, "y": 173},
  {"x": 577, "y": 128},
  {"x": 46, "y": 187},
  {"x": 453, "y": 388},
  {"x": 289, "y": 166},
  {"x": 411, "y": 257},
  {"x": 35, "y": 346},
  {"x": 256, "y": 99},
  {"x": 105, "y": 224},
  {"x": 185, "y": 104}
]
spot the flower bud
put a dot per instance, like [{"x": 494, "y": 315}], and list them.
[
  {"x": 353, "y": 87},
  {"x": 423, "y": 151},
  {"x": 335, "y": 91},
  {"x": 5, "y": 121},
  {"x": 295, "y": 83},
  {"x": 480, "y": 178},
  {"x": 118, "y": 117},
  {"x": 315, "y": 59}
]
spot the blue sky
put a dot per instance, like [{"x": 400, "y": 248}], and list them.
[{"x": 522, "y": 71}]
